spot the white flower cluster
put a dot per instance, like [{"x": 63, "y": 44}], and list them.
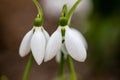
[{"x": 45, "y": 48}]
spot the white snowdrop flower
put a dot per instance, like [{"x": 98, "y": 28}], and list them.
[
  {"x": 35, "y": 40},
  {"x": 75, "y": 45}
]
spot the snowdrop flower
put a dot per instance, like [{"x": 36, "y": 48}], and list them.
[
  {"x": 35, "y": 40},
  {"x": 74, "y": 44}
]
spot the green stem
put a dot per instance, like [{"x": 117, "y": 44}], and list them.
[
  {"x": 61, "y": 67},
  {"x": 38, "y": 8},
  {"x": 71, "y": 68},
  {"x": 28, "y": 67},
  {"x": 72, "y": 9},
  {"x": 64, "y": 10}
]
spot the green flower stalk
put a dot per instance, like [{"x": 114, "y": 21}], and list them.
[
  {"x": 69, "y": 14},
  {"x": 28, "y": 67}
]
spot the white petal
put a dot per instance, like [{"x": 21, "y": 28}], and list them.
[
  {"x": 74, "y": 46},
  {"x": 38, "y": 43},
  {"x": 79, "y": 35},
  {"x": 58, "y": 56},
  {"x": 54, "y": 45},
  {"x": 64, "y": 50},
  {"x": 46, "y": 34},
  {"x": 25, "y": 44}
]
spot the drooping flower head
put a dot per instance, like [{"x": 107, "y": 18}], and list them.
[
  {"x": 74, "y": 44},
  {"x": 35, "y": 41},
  {"x": 66, "y": 40}
]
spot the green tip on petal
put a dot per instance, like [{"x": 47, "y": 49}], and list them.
[{"x": 63, "y": 31}]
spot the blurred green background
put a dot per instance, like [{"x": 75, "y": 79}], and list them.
[
  {"x": 104, "y": 38},
  {"x": 102, "y": 35}
]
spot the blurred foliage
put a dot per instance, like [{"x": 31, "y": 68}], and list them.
[
  {"x": 106, "y": 7},
  {"x": 3, "y": 77},
  {"x": 104, "y": 37}
]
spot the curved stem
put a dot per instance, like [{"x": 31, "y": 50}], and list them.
[
  {"x": 63, "y": 20},
  {"x": 64, "y": 10},
  {"x": 38, "y": 8},
  {"x": 61, "y": 67},
  {"x": 72, "y": 9},
  {"x": 28, "y": 67},
  {"x": 71, "y": 68}
]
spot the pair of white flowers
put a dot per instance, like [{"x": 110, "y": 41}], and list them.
[{"x": 45, "y": 48}]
